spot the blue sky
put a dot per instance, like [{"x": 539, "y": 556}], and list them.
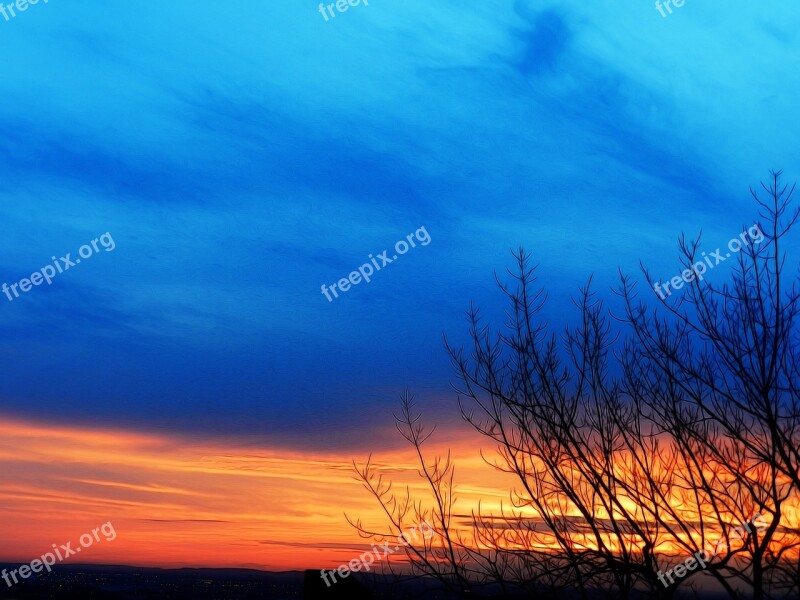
[{"x": 243, "y": 154}]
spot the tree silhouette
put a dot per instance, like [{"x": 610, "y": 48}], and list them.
[
  {"x": 635, "y": 443},
  {"x": 720, "y": 371}
]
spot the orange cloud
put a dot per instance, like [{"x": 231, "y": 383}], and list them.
[{"x": 180, "y": 502}]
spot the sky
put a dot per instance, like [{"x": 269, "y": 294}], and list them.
[{"x": 239, "y": 157}]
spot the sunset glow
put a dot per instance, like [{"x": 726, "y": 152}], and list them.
[
  {"x": 180, "y": 502},
  {"x": 285, "y": 283}
]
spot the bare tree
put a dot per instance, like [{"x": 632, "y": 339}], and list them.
[
  {"x": 721, "y": 370},
  {"x": 630, "y": 454}
]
